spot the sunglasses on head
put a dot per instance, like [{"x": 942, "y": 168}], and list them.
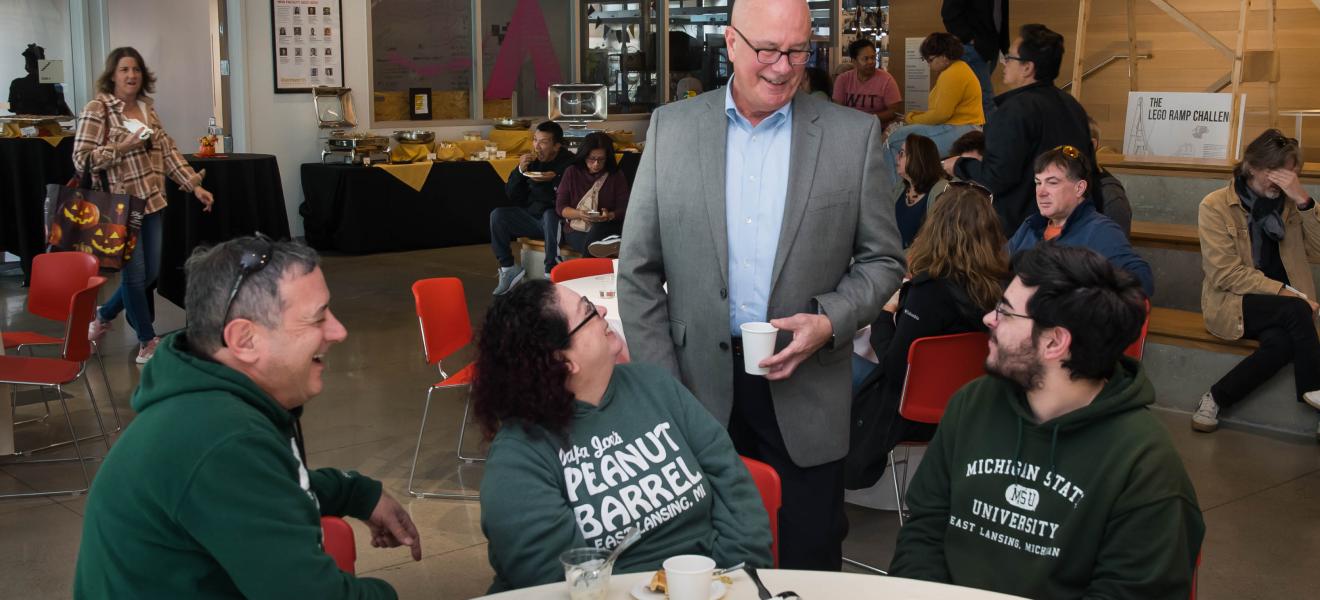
[
  {"x": 964, "y": 183},
  {"x": 1069, "y": 151},
  {"x": 250, "y": 262}
]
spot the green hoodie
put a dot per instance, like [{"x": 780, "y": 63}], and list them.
[
  {"x": 1092, "y": 504},
  {"x": 650, "y": 454},
  {"x": 205, "y": 496}
]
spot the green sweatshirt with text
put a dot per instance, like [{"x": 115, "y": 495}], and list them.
[
  {"x": 649, "y": 455},
  {"x": 1092, "y": 504},
  {"x": 205, "y": 496}
]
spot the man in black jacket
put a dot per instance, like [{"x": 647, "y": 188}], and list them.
[
  {"x": 532, "y": 188},
  {"x": 982, "y": 25},
  {"x": 1033, "y": 117}
]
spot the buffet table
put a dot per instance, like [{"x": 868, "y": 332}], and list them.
[
  {"x": 27, "y": 165},
  {"x": 249, "y": 197},
  {"x": 360, "y": 210}
]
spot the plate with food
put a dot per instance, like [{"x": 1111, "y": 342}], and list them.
[{"x": 655, "y": 589}]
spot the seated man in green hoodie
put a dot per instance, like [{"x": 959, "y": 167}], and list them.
[
  {"x": 206, "y": 494},
  {"x": 1051, "y": 479}
]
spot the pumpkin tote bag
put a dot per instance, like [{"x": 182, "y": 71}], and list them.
[{"x": 82, "y": 219}]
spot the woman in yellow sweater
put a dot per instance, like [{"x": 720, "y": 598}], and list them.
[{"x": 954, "y": 103}]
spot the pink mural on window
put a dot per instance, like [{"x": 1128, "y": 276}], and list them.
[{"x": 527, "y": 34}]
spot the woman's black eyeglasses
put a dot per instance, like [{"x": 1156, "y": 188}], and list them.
[
  {"x": 590, "y": 315},
  {"x": 251, "y": 262}
]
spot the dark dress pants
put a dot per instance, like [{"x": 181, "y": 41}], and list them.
[
  {"x": 1286, "y": 333},
  {"x": 508, "y": 223},
  {"x": 812, "y": 523}
]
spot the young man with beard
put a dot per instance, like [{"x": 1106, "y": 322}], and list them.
[
  {"x": 1256, "y": 236},
  {"x": 1050, "y": 478}
]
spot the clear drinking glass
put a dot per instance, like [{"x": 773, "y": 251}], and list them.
[{"x": 584, "y": 575}]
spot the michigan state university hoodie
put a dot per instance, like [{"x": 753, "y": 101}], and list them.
[
  {"x": 1093, "y": 504},
  {"x": 205, "y": 496},
  {"x": 649, "y": 455}
]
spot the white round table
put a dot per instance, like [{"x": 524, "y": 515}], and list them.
[
  {"x": 811, "y": 585},
  {"x": 600, "y": 290}
]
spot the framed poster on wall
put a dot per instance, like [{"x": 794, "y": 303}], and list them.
[{"x": 307, "y": 44}]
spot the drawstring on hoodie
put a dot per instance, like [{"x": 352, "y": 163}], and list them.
[
  {"x": 1017, "y": 450},
  {"x": 1054, "y": 444}
]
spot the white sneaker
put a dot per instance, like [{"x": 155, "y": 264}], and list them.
[
  {"x": 1312, "y": 398},
  {"x": 605, "y": 248},
  {"x": 147, "y": 351},
  {"x": 1206, "y": 418}
]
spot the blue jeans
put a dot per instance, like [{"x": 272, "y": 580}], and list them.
[
  {"x": 508, "y": 223},
  {"x": 984, "y": 71},
  {"x": 943, "y": 135},
  {"x": 134, "y": 278}
]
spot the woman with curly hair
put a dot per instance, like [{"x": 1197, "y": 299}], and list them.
[
  {"x": 959, "y": 265},
  {"x": 584, "y": 449}
]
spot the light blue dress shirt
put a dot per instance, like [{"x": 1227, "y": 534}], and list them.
[{"x": 755, "y": 189}]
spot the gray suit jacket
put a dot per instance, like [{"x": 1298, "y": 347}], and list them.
[{"x": 838, "y": 251}]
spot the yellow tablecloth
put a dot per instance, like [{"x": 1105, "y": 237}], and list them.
[
  {"x": 413, "y": 175},
  {"x": 13, "y": 130},
  {"x": 513, "y": 141},
  {"x": 504, "y": 167},
  {"x": 471, "y": 147},
  {"x": 410, "y": 152}
]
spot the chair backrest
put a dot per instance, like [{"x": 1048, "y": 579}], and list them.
[
  {"x": 581, "y": 267},
  {"x": 337, "y": 537},
  {"x": 767, "y": 482},
  {"x": 82, "y": 308},
  {"x": 1138, "y": 347},
  {"x": 1195, "y": 570},
  {"x": 937, "y": 367},
  {"x": 56, "y": 277},
  {"x": 443, "y": 314}
]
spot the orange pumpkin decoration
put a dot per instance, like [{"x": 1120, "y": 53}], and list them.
[
  {"x": 56, "y": 234},
  {"x": 82, "y": 213},
  {"x": 109, "y": 239}
]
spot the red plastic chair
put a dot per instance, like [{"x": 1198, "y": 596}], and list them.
[
  {"x": 1195, "y": 571},
  {"x": 446, "y": 328},
  {"x": 56, "y": 372},
  {"x": 1138, "y": 347},
  {"x": 56, "y": 277},
  {"x": 337, "y": 539},
  {"x": 768, "y": 483},
  {"x": 581, "y": 267},
  {"x": 938, "y": 366}
]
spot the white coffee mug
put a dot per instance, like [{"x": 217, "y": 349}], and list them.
[
  {"x": 688, "y": 576},
  {"x": 758, "y": 345}
]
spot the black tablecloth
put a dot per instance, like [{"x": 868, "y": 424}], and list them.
[
  {"x": 27, "y": 165},
  {"x": 359, "y": 209},
  {"x": 248, "y": 198}
]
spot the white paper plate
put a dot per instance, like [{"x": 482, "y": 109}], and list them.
[{"x": 641, "y": 592}]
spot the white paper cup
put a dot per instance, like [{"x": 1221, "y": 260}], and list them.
[
  {"x": 758, "y": 345},
  {"x": 688, "y": 577}
]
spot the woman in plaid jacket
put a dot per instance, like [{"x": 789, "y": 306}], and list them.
[{"x": 120, "y": 134}]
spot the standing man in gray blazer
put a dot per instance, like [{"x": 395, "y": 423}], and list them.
[{"x": 755, "y": 203}]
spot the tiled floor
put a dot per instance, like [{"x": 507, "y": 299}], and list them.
[{"x": 1261, "y": 496}]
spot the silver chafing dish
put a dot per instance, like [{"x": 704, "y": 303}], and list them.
[
  {"x": 513, "y": 124},
  {"x": 414, "y": 136},
  {"x": 355, "y": 147}
]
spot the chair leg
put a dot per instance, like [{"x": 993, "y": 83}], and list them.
[
  {"x": 110, "y": 392},
  {"x": 412, "y": 471},
  {"x": 462, "y": 429},
  {"x": 82, "y": 461},
  {"x": 91, "y": 400},
  {"x": 898, "y": 498},
  {"x": 44, "y": 401}
]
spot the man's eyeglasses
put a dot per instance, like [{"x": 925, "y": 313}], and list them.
[
  {"x": 770, "y": 56},
  {"x": 1004, "y": 58},
  {"x": 251, "y": 262},
  {"x": 590, "y": 315},
  {"x": 1002, "y": 310}
]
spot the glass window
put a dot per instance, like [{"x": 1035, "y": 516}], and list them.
[
  {"x": 697, "y": 58},
  {"x": 525, "y": 47},
  {"x": 421, "y": 44},
  {"x": 618, "y": 50}
]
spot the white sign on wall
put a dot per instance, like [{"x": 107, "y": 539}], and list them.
[
  {"x": 50, "y": 71},
  {"x": 916, "y": 76},
  {"x": 1185, "y": 124}
]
